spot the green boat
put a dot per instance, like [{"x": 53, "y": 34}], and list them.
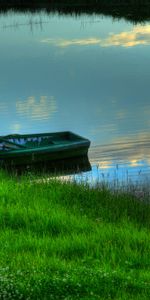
[{"x": 28, "y": 149}]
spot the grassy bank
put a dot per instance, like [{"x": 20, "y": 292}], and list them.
[{"x": 63, "y": 241}]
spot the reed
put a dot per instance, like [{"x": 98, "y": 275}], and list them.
[{"x": 60, "y": 240}]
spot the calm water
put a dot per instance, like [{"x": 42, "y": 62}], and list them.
[{"x": 87, "y": 74}]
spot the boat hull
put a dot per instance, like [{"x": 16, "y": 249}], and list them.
[
  {"x": 75, "y": 146},
  {"x": 36, "y": 157}
]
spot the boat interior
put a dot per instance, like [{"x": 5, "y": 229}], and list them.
[{"x": 14, "y": 142}]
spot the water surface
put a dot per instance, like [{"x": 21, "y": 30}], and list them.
[{"x": 87, "y": 74}]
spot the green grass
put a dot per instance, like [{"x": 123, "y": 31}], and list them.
[{"x": 69, "y": 241}]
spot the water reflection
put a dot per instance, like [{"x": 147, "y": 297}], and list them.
[
  {"x": 32, "y": 23},
  {"x": 139, "y": 35},
  {"x": 129, "y": 152},
  {"x": 64, "y": 167},
  {"x": 118, "y": 167},
  {"x": 121, "y": 163},
  {"x": 92, "y": 80},
  {"x": 117, "y": 10},
  {"x": 35, "y": 109}
]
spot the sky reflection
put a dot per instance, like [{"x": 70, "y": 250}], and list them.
[
  {"x": 68, "y": 73},
  {"x": 34, "y": 109},
  {"x": 139, "y": 35}
]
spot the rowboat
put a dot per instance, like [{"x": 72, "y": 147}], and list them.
[{"x": 28, "y": 149}]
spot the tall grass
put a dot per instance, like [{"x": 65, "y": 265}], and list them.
[{"x": 68, "y": 241}]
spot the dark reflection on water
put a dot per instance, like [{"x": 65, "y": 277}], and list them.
[
  {"x": 87, "y": 74},
  {"x": 53, "y": 168},
  {"x": 117, "y": 9}
]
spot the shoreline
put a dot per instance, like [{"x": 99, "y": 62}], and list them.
[{"x": 128, "y": 10}]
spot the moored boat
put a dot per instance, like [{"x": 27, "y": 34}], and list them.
[{"x": 27, "y": 149}]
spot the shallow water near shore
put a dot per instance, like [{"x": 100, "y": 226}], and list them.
[{"x": 87, "y": 74}]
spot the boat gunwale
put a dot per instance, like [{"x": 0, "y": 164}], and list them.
[
  {"x": 70, "y": 145},
  {"x": 57, "y": 133}
]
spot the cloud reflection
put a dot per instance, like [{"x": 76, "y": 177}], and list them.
[
  {"x": 133, "y": 152},
  {"x": 76, "y": 42},
  {"x": 139, "y": 35},
  {"x": 41, "y": 109}
]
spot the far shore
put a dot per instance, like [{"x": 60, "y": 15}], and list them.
[{"x": 134, "y": 11}]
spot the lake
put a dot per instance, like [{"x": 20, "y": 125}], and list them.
[{"x": 88, "y": 74}]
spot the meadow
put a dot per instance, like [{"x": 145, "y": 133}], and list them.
[{"x": 60, "y": 240}]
